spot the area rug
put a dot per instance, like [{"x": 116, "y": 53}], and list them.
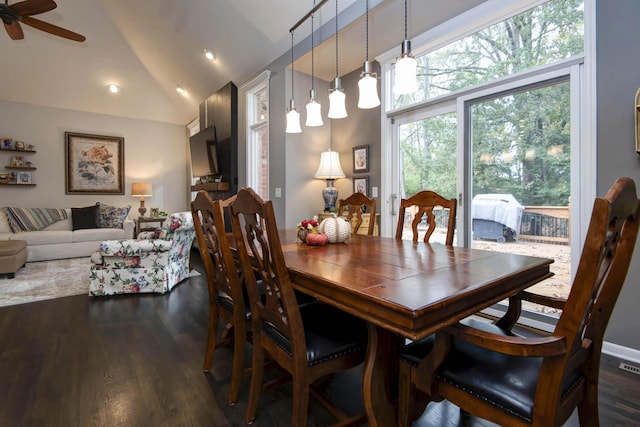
[
  {"x": 49, "y": 279},
  {"x": 46, "y": 280}
]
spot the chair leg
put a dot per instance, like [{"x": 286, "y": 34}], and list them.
[
  {"x": 237, "y": 371},
  {"x": 212, "y": 334},
  {"x": 300, "y": 403},
  {"x": 257, "y": 370},
  {"x": 588, "y": 408}
]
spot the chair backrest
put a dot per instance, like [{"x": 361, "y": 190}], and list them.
[
  {"x": 605, "y": 260},
  {"x": 351, "y": 207},
  {"x": 258, "y": 244},
  {"x": 424, "y": 202},
  {"x": 220, "y": 265}
]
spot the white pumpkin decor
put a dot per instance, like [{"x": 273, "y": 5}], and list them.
[{"x": 336, "y": 228}]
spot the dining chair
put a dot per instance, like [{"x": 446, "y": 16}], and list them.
[
  {"x": 226, "y": 297},
  {"x": 351, "y": 208},
  {"x": 423, "y": 203},
  {"x": 309, "y": 341},
  {"x": 492, "y": 373}
]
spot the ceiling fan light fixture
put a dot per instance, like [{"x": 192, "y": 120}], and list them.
[{"x": 113, "y": 88}]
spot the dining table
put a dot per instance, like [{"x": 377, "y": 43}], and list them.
[{"x": 404, "y": 291}]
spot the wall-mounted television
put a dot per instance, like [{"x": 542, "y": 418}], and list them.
[{"x": 204, "y": 159}]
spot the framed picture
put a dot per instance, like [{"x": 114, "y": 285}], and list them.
[
  {"x": 17, "y": 161},
  {"x": 361, "y": 185},
  {"x": 19, "y": 145},
  {"x": 361, "y": 159},
  {"x": 23, "y": 177},
  {"x": 154, "y": 212},
  {"x": 94, "y": 164}
]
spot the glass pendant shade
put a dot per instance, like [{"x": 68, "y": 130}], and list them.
[
  {"x": 406, "y": 81},
  {"x": 293, "y": 119},
  {"x": 337, "y": 107},
  {"x": 314, "y": 115},
  {"x": 368, "y": 88},
  {"x": 293, "y": 122}
]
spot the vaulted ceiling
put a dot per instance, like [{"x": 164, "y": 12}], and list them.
[{"x": 149, "y": 47}]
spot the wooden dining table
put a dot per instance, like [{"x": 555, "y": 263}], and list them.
[{"x": 404, "y": 290}]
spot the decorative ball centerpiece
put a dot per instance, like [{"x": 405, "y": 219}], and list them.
[{"x": 336, "y": 228}]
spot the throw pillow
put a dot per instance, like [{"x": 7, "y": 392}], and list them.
[
  {"x": 83, "y": 218},
  {"x": 112, "y": 216}
]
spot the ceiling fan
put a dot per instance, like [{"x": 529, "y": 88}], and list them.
[{"x": 22, "y": 12}]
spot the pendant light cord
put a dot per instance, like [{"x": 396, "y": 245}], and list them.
[
  {"x": 336, "y": 38},
  {"x": 292, "y": 73},
  {"x": 367, "y": 33},
  {"x": 405, "y": 19},
  {"x": 312, "y": 55}
]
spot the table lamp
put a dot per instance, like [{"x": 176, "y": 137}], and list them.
[
  {"x": 142, "y": 190},
  {"x": 330, "y": 170}
]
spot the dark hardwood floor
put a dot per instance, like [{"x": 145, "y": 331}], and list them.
[{"x": 137, "y": 361}]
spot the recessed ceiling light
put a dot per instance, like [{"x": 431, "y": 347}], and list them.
[
  {"x": 210, "y": 55},
  {"x": 181, "y": 90},
  {"x": 113, "y": 88}
]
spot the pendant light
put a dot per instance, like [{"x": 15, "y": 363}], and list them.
[
  {"x": 293, "y": 117},
  {"x": 405, "y": 82},
  {"x": 337, "y": 109},
  {"x": 314, "y": 116},
  {"x": 368, "y": 84}
]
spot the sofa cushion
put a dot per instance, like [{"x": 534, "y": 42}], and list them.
[
  {"x": 97, "y": 234},
  {"x": 65, "y": 224},
  {"x": 112, "y": 216},
  {"x": 83, "y": 218},
  {"x": 4, "y": 223},
  {"x": 44, "y": 237}
]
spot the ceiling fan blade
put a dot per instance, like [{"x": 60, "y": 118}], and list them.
[
  {"x": 33, "y": 7},
  {"x": 14, "y": 30},
  {"x": 52, "y": 29}
]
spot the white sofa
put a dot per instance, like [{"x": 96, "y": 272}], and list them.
[{"x": 59, "y": 240}]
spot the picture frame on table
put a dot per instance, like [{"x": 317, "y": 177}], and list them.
[
  {"x": 94, "y": 164},
  {"x": 23, "y": 177},
  {"x": 361, "y": 185},
  {"x": 361, "y": 159},
  {"x": 154, "y": 212}
]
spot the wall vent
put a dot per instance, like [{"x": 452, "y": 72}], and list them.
[{"x": 630, "y": 368}]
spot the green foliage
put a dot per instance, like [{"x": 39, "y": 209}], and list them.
[{"x": 521, "y": 140}]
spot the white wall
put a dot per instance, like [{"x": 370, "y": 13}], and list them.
[{"x": 154, "y": 152}]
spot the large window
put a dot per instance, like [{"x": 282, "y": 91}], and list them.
[
  {"x": 539, "y": 36},
  {"x": 500, "y": 115},
  {"x": 257, "y": 95}
]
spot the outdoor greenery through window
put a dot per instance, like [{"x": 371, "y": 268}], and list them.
[{"x": 542, "y": 35}]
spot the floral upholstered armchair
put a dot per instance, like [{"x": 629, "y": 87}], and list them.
[{"x": 155, "y": 262}]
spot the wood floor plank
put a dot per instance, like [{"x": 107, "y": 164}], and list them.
[{"x": 136, "y": 360}]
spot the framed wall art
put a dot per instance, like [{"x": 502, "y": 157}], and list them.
[
  {"x": 361, "y": 185},
  {"x": 361, "y": 159},
  {"x": 23, "y": 177},
  {"x": 94, "y": 164}
]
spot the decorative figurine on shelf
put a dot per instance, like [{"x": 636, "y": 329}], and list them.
[{"x": 7, "y": 144}]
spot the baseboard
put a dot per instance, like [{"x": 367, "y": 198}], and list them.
[{"x": 621, "y": 352}]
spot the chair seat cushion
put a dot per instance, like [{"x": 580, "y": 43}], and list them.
[
  {"x": 226, "y": 302},
  {"x": 508, "y": 382},
  {"x": 329, "y": 333}
]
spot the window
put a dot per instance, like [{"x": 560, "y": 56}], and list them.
[
  {"x": 257, "y": 95},
  {"x": 501, "y": 109}
]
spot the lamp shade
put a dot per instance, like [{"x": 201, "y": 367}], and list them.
[
  {"x": 368, "y": 87},
  {"x": 142, "y": 189},
  {"x": 329, "y": 166},
  {"x": 314, "y": 115}
]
